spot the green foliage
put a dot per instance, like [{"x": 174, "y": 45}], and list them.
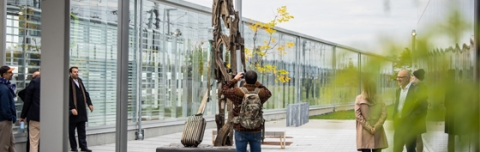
[
  {"x": 443, "y": 51},
  {"x": 340, "y": 115},
  {"x": 433, "y": 115},
  {"x": 404, "y": 60},
  {"x": 259, "y": 52}
]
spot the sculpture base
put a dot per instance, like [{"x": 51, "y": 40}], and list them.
[{"x": 176, "y": 147}]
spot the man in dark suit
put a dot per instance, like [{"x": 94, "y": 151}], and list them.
[
  {"x": 406, "y": 115},
  {"x": 31, "y": 110},
  {"x": 21, "y": 94},
  {"x": 79, "y": 101}
]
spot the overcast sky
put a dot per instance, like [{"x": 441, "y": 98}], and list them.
[{"x": 355, "y": 23}]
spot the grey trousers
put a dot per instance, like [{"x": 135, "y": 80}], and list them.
[{"x": 7, "y": 141}]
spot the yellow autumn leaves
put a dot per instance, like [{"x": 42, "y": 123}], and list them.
[
  {"x": 284, "y": 15},
  {"x": 281, "y": 17},
  {"x": 281, "y": 48},
  {"x": 281, "y": 75},
  {"x": 261, "y": 51}
]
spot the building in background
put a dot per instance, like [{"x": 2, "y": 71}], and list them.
[
  {"x": 449, "y": 26},
  {"x": 169, "y": 49}
]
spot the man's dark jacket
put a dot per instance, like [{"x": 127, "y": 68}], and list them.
[
  {"x": 81, "y": 102},
  {"x": 31, "y": 105},
  {"x": 7, "y": 104},
  {"x": 422, "y": 100},
  {"x": 413, "y": 109},
  {"x": 21, "y": 94}
]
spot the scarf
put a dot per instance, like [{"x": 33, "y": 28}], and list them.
[
  {"x": 80, "y": 84},
  {"x": 11, "y": 86}
]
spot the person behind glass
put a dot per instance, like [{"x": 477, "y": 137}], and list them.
[
  {"x": 31, "y": 110},
  {"x": 422, "y": 97},
  {"x": 406, "y": 114},
  {"x": 8, "y": 113},
  {"x": 79, "y": 101},
  {"x": 235, "y": 94},
  {"x": 370, "y": 112}
]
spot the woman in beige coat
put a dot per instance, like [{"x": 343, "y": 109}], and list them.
[{"x": 371, "y": 113}]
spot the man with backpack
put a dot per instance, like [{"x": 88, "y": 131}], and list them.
[{"x": 248, "y": 115}]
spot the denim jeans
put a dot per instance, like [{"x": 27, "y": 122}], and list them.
[{"x": 244, "y": 138}]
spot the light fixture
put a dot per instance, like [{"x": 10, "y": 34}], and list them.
[
  {"x": 177, "y": 32},
  {"x": 414, "y": 33}
]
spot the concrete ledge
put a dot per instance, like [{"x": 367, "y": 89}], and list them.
[{"x": 320, "y": 110}]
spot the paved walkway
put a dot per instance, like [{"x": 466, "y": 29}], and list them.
[{"x": 315, "y": 136}]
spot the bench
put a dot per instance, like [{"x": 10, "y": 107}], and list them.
[{"x": 268, "y": 134}]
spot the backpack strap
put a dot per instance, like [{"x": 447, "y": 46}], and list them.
[
  {"x": 245, "y": 90},
  {"x": 256, "y": 91}
]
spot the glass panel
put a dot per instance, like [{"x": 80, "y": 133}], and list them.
[
  {"x": 23, "y": 43},
  {"x": 347, "y": 84},
  {"x": 174, "y": 47},
  {"x": 381, "y": 71},
  {"x": 93, "y": 43},
  {"x": 282, "y": 93},
  {"x": 316, "y": 88}
]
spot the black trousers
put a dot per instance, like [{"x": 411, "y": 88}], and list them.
[
  {"x": 403, "y": 137},
  {"x": 82, "y": 137},
  {"x": 371, "y": 150}
]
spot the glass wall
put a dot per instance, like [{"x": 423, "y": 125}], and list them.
[
  {"x": 168, "y": 62},
  {"x": 23, "y": 42},
  {"x": 93, "y": 43},
  {"x": 347, "y": 78},
  {"x": 175, "y": 52},
  {"x": 380, "y": 70},
  {"x": 282, "y": 93},
  {"x": 317, "y": 72}
]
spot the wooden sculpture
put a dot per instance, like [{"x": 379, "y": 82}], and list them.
[{"x": 223, "y": 10}]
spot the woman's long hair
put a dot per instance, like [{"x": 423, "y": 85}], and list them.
[{"x": 370, "y": 91}]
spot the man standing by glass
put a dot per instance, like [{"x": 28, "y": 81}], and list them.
[
  {"x": 79, "y": 100},
  {"x": 21, "y": 94},
  {"x": 31, "y": 111},
  {"x": 8, "y": 113},
  {"x": 405, "y": 117}
]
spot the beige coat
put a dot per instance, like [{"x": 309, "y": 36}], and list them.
[{"x": 370, "y": 116}]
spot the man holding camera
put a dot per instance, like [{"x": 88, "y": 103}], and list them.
[{"x": 252, "y": 89}]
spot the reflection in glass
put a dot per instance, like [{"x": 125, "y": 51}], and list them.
[{"x": 172, "y": 45}]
